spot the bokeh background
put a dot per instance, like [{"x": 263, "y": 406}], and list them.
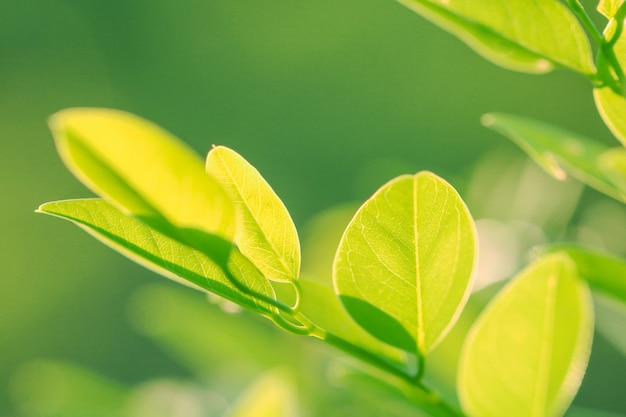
[{"x": 328, "y": 99}]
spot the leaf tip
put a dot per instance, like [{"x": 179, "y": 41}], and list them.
[{"x": 488, "y": 120}]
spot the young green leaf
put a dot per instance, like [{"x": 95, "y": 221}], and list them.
[
  {"x": 559, "y": 152},
  {"x": 528, "y": 36},
  {"x": 604, "y": 273},
  {"x": 146, "y": 173},
  {"x": 266, "y": 233},
  {"x": 404, "y": 265},
  {"x": 162, "y": 254},
  {"x": 527, "y": 352}
]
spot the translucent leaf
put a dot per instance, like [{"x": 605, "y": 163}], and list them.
[
  {"x": 560, "y": 152},
  {"x": 160, "y": 253},
  {"x": 608, "y": 8},
  {"x": 266, "y": 233},
  {"x": 528, "y": 36},
  {"x": 147, "y": 173},
  {"x": 604, "y": 273},
  {"x": 404, "y": 265},
  {"x": 527, "y": 352}
]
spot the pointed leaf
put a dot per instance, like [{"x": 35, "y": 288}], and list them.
[
  {"x": 404, "y": 265},
  {"x": 604, "y": 273},
  {"x": 147, "y": 173},
  {"x": 266, "y": 233},
  {"x": 560, "y": 152},
  {"x": 528, "y": 36},
  {"x": 527, "y": 352},
  {"x": 160, "y": 253}
]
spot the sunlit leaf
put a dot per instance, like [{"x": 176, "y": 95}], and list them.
[
  {"x": 560, "y": 152},
  {"x": 272, "y": 395},
  {"x": 529, "y": 36},
  {"x": 160, "y": 253},
  {"x": 147, "y": 173},
  {"x": 605, "y": 273},
  {"x": 527, "y": 352},
  {"x": 404, "y": 265},
  {"x": 266, "y": 233}
]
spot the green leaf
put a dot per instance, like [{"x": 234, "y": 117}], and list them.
[
  {"x": 146, "y": 173},
  {"x": 528, "y": 36},
  {"x": 162, "y": 254},
  {"x": 404, "y": 265},
  {"x": 608, "y": 8},
  {"x": 526, "y": 354},
  {"x": 612, "y": 107},
  {"x": 266, "y": 233},
  {"x": 604, "y": 273},
  {"x": 560, "y": 152}
]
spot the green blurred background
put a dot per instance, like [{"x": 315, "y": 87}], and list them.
[{"x": 328, "y": 99}]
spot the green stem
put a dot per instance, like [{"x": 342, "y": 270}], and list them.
[{"x": 584, "y": 18}]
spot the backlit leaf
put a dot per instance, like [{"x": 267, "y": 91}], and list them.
[
  {"x": 147, "y": 173},
  {"x": 160, "y": 253},
  {"x": 560, "y": 152},
  {"x": 608, "y": 8},
  {"x": 266, "y": 233},
  {"x": 404, "y": 265},
  {"x": 529, "y": 36},
  {"x": 527, "y": 352}
]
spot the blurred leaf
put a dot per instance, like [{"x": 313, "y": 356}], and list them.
[
  {"x": 208, "y": 341},
  {"x": 527, "y": 352},
  {"x": 52, "y": 389},
  {"x": 146, "y": 173},
  {"x": 604, "y": 273},
  {"x": 266, "y": 234},
  {"x": 271, "y": 396},
  {"x": 613, "y": 163},
  {"x": 404, "y": 265},
  {"x": 528, "y": 36},
  {"x": 160, "y": 253},
  {"x": 611, "y": 320},
  {"x": 320, "y": 304},
  {"x": 608, "y": 8},
  {"x": 559, "y": 151}
]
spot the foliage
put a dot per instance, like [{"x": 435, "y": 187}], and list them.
[{"x": 404, "y": 267}]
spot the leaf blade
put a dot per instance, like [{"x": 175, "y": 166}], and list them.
[
  {"x": 159, "y": 253},
  {"x": 145, "y": 172},
  {"x": 385, "y": 275},
  {"x": 541, "y": 34},
  {"x": 526, "y": 354},
  {"x": 560, "y": 152},
  {"x": 267, "y": 234}
]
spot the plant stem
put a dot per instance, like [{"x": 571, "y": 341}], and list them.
[{"x": 584, "y": 18}]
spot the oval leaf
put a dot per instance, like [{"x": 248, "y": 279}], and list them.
[
  {"x": 560, "y": 152},
  {"x": 528, "y": 36},
  {"x": 404, "y": 265},
  {"x": 147, "y": 173},
  {"x": 527, "y": 352},
  {"x": 266, "y": 233},
  {"x": 162, "y": 254}
]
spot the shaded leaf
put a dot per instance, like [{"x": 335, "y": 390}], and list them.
[
  {"x": 160, "y": 253},
  {"x": 266, "y": 233},
  {"x": 147, "y": 173},
  {"x": 528, "y": 36},
  {"x": 407, "y": 256},
  {"x": 527, "y": 352},
  {"x": 560, "y": 152}
]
